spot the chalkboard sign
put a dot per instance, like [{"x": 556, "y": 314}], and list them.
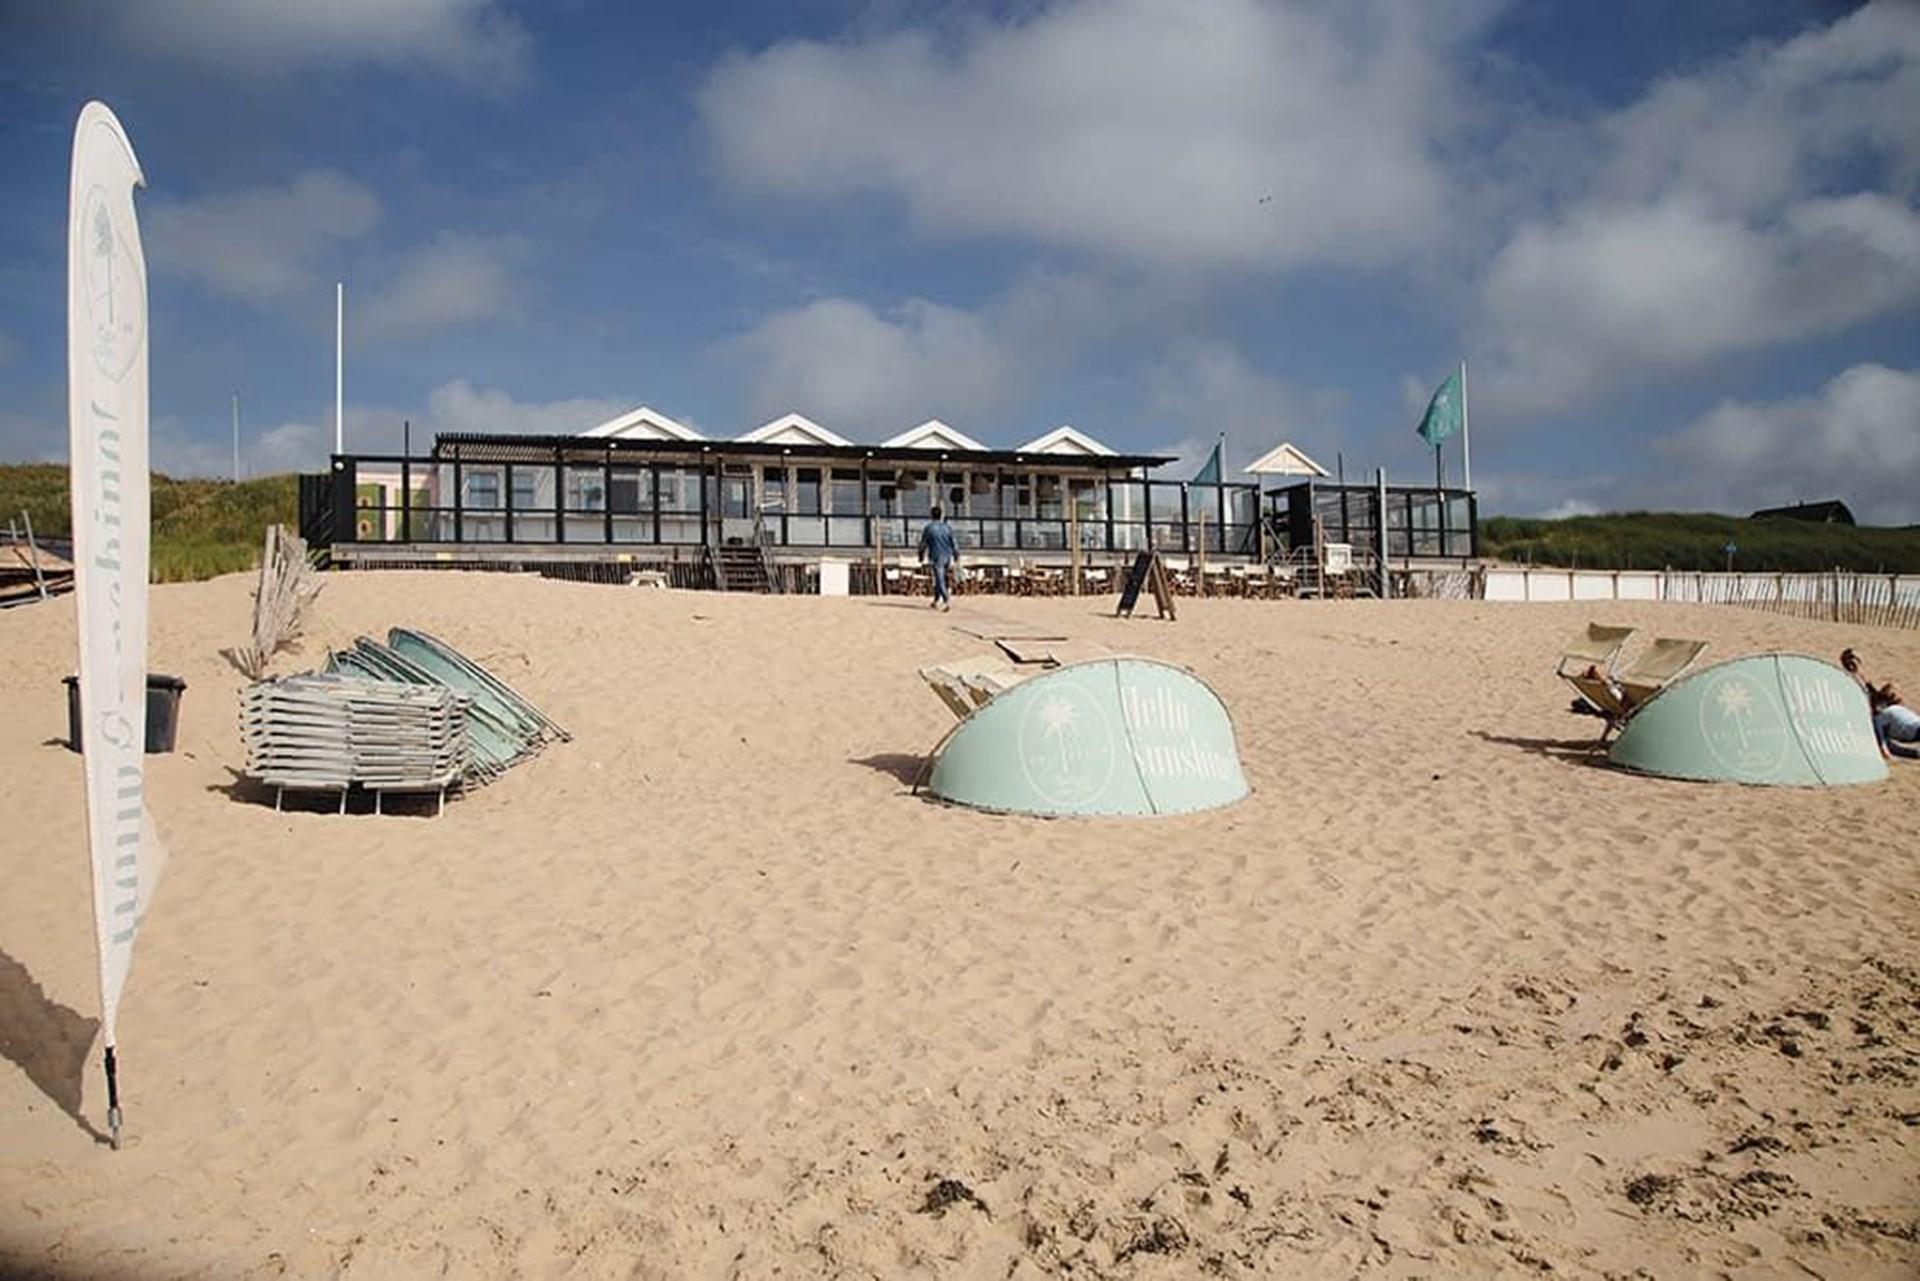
[{"x": 1146, "y": 571}]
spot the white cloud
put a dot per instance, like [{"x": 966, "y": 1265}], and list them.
[
  {"x": 262, "y": 244},
  {"x": 1748, "y": 204},
  {"x": 460, "y": 406},
  {"x": 470, "y": 40},
  {"x": 859, "y": 371},
  {"x": 1857, "y": 440},
  {"x": 1206, "y": 387},
  {"x": 863, "y": 371},
  {"x": 1225, "y": 133},
  {"x": 281, "y": 248},
  {"x": 455, "y": 280},
  {"x": 303, "y": 444},
  {"x": 1567, "y": 508}
]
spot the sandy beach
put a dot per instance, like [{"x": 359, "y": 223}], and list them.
[{"x": 707, "y": 992}]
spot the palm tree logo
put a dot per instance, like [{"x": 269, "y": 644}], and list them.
[
  {"x": 1066, "y": 748},
  {"x": 1736, "y": 705},
  {"x": 1059, "y": 718},
  {"x": 113, "y": 290}
]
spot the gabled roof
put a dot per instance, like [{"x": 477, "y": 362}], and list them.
[
  {"x": 792, "y": 429},
  {"x": 1065, "y": 440},
  {"x": 932, "y": 434},
  {"x": 644, "y": 424},
  {"x": 1832, "y": 511},
  {"x": 1284, "y": 460}
]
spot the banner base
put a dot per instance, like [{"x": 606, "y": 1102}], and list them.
[{"x": 113, "y": 1099}]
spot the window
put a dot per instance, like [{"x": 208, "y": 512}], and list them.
[
  {"x": 806, "y": 491},
  {"x": 632, "y": 491},
  {"x": 845, "y": 492},
  {"x": 982, "y": 498},
  {"x": 483, "y": 490},
  {"x": 915, "y": 493},
  {"x": 1050, "y": 507},
  {"x": 586, "y": 489},
  {"x": 526, "y": 488}
]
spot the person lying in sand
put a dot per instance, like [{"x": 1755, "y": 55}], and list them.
[{"x": 1893, "y": 721}]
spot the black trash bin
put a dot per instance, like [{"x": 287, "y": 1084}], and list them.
[{"x": 163, "y": 711}]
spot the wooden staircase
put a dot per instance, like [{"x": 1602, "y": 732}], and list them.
[{"x": 741, "y": 568}]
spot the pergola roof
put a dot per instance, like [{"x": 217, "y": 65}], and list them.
[{"x": 491, "y": 447}]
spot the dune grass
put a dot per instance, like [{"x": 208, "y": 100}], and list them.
[
  {"x": 201, "y": 528},
  {"x": 1697, "y": 541}
]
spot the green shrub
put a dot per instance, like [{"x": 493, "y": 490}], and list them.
[
  {"x": 1697, "y": 541},
  {"x": 201, "y": 528}
]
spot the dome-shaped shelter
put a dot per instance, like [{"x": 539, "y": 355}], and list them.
[
  {"x": 1776, "y": 719},
  {"x": 1109, "y": 736}
]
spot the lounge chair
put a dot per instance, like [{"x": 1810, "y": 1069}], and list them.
[
  {"x": 1631, "y": 686},
  {"x": 1586, "y": 663},
  {"x": 1657, "y": 665},
  {"x": 967, "y": 687}
]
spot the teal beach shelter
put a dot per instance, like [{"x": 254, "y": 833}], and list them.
[
  {"x": 1108, "y": 736},
  {"x": 1771, "y": 719}
]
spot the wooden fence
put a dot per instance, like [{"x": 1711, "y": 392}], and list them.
[{"x": 1837, "y": 596}]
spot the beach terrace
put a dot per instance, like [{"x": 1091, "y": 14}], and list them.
[{"x": 776, "y": 505}]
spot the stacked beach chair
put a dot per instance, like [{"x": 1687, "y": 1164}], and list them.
[
  {"x": 332, "y": 733},
  {"x": 413, "y": 714}
]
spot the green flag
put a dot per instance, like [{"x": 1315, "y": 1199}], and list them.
[
  {"x": 1442, "y": 418},
  {"x": 1210, "y": 474}
]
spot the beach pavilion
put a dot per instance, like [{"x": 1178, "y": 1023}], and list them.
[{"x": 645, "y": 491}]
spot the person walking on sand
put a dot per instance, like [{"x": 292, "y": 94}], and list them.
[{"x": 938, "y": 550}]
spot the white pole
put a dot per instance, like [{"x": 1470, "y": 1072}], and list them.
[
  {"x": 1466, "y": 433},
  {"x": 339, "y": 367},
  {"x": 1380, "y": 533},
  {"x": 236, "y": 438}
]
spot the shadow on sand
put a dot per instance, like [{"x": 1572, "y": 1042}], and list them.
[
  {"x": 906, "y": 768},
  {"x": 47, "y": 1040},
  {"x": 1575, "y": 751}
]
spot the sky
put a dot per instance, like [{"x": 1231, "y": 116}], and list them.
[{"x": 1677, "y": 246}]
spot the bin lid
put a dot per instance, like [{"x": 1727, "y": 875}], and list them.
[{"x": 155, "y": 680}]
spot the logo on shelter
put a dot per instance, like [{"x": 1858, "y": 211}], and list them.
[
  {"x": 115, "y": 315},
  {"x": 1825, "y": 708},
  {"x": 1743, "y": 725},
  {"x": 1066, "y": 745}
]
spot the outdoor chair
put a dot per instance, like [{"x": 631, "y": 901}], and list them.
[
  {"x": 1658, "y": 665},
  {"x": 1627, "y": 689},
  {"x": 1586, "y": 663},
  {"x": 965, "y": 687}
]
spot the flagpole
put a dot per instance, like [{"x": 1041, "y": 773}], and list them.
[
  {"x": 339, "y": 366},
  {"x": 236, "y": 438},
  {"x": 1466, "y": 434}
]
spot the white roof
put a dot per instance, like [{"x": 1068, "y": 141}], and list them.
[
  {"x": 643, "y": 424},
  {"x": 1065, "y": 440},
  {"x": 1284, "y": 460},
  {"x": 793, "y": 429},
  {"x": 932, "y": 434}
]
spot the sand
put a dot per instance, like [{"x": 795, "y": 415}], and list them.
[{"x": 707, "y": 993}]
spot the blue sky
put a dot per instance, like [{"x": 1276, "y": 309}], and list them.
[{"x": 1679, "y": 245}]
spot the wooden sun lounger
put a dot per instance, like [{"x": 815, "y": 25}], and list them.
[{"x": 967, "y": 687}]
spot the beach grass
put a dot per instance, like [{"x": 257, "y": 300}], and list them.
[
  {"x": 201, "y": 528},
  {"x": 1697, "y": 541}
]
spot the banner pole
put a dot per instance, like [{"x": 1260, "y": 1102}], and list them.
[
  {"x": 113, "y": 1099},
  {"x": 1466, "y": 434}
]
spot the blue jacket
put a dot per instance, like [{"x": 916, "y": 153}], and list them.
[{"x": 936, "y": 543}]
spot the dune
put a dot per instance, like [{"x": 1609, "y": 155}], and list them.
[{"x": 708, "y": 992}]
